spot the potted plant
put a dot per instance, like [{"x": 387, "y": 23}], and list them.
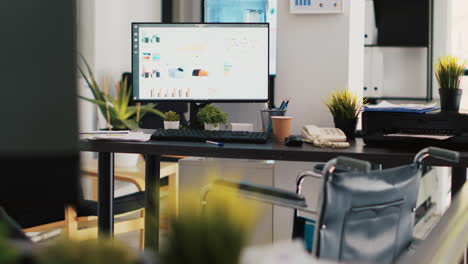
[
  {"x": 212, "y": 233},
  {"x": 85, "y": 252},
  {"x": 171, "y": 120},
  {"x": 8, "y": 252},
  {"x": 449, "y": 71},
  {"x": 212, "y": 117},
  {"x": 116, "y": 110},
  {"x": 345, "y": 107}
]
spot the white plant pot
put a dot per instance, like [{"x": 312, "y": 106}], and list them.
[
  {"x": 126, "y": 160},
  {"x": 214, "y": 127},
  {"x": 171, "y": 124}
]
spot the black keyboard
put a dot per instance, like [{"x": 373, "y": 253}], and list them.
[{"x": 203, "y": 135}]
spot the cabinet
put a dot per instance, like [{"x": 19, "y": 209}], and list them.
[{"x": 398, "y": 63}]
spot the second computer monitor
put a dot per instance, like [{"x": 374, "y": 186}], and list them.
[{"x": 200, "y": 62}]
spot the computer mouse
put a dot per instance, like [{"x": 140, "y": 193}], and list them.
[{"x": 293, "y": 141}]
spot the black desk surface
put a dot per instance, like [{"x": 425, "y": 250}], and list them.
[{"x": 389, "y": 157}]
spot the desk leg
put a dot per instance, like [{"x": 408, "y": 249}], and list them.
[
  {"x": 458, "y": 179},
  {"x": 106, "y": 194},
  {"x": 152, "y": 202}
]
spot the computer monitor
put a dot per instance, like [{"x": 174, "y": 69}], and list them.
[{"x": 209, "y": 62}]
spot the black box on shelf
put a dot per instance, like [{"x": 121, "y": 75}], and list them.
[{"x": 402, "y": 22}]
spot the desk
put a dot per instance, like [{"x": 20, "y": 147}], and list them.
[{"x": 270, "y": 151}]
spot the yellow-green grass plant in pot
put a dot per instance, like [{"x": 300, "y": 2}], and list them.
[
  {"x": 449, "y": 72},
  {"x": 345, "y": 107},
  {"x": 116, "y": 110}
]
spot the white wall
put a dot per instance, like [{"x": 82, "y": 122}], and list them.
[
  {"x": 85, "y": 39},
  {"x": 318, "y": 54},
  {"x": 459, "y": 41},
  {"x": 442, "y": 32},
  {"x": 112, "y": 43},
  {"x": 104, "y": 32},
  {"x": 104, "y": 40}
]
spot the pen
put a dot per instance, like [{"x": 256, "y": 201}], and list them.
[
  {"x": 286, "y": 105},
  {"x": 282, "y": 104},
  {"x": 219, "y": 144}
]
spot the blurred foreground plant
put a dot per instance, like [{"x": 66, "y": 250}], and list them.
[
  {"x": 86, "y": 252},
  {"x": 214, "y": 234},
  {"x": 8, "y": 254}
]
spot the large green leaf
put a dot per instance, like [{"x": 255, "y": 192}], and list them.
[
  {"x": 150, "y": 109},
  {"x": 91, "y": 80},
  {"x": 103, "y": 108},
  {"x": 96, "y": 92},
  {"x": 91, "y": 75},
  {"x": 130, "y": 124}
]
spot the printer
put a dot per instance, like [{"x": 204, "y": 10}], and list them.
[{"x": 435, "y": 128}]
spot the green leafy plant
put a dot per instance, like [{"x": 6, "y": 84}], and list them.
[
  {"x": 86, "y": 252},
  {"x": 449, "y": 71},
  {"x": 212, "y": 115},
  {"x": 213, "y": 234},
  {"x": 171, "y": 116},
  {"x": 344, "y": 104},
  {"x": 116, "y": 110},
  {"x": 8, "y": 254}
]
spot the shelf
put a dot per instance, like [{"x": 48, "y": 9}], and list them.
[
  {"x": 383, "y": 46},
  {"x": 397, "y": 98}
]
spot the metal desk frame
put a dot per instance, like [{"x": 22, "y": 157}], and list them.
[{"x": 270, "y": 151}]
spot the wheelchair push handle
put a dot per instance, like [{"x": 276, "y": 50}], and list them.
[
  {"x": 439, "y": 153},
  {"x": 444, "y": 154},
  {"x": 348, "y": 163},
  {"x": 353, "y": 164}
]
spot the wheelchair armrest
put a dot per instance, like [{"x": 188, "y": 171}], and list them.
[{"x": 264, "y": 193}]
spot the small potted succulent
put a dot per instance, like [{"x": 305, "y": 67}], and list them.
[
  {"x": 171, "y": 120},
  {"x": 345, "y": 107},
  {"x": 449, "y": 71},
  {"x": 212, "y": 117}
]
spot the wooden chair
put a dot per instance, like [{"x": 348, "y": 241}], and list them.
[{"x": 81, "y": 223}]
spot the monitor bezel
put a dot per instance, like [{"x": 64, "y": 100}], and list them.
[{"x": 201, "y": 100}]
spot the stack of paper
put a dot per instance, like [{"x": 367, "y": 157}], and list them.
[
  {"x": 116, "y": 136},
  {"x": 403, "y": 108}
]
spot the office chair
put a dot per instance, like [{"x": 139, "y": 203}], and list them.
[
  {"x": 365, "y": 216},
  {"x": 79, "y": 223}
]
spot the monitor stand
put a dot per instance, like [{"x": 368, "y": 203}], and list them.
[{"x": 194, "y": 108}]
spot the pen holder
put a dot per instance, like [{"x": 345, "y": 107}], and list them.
[{"x": 266, "y": 115}]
